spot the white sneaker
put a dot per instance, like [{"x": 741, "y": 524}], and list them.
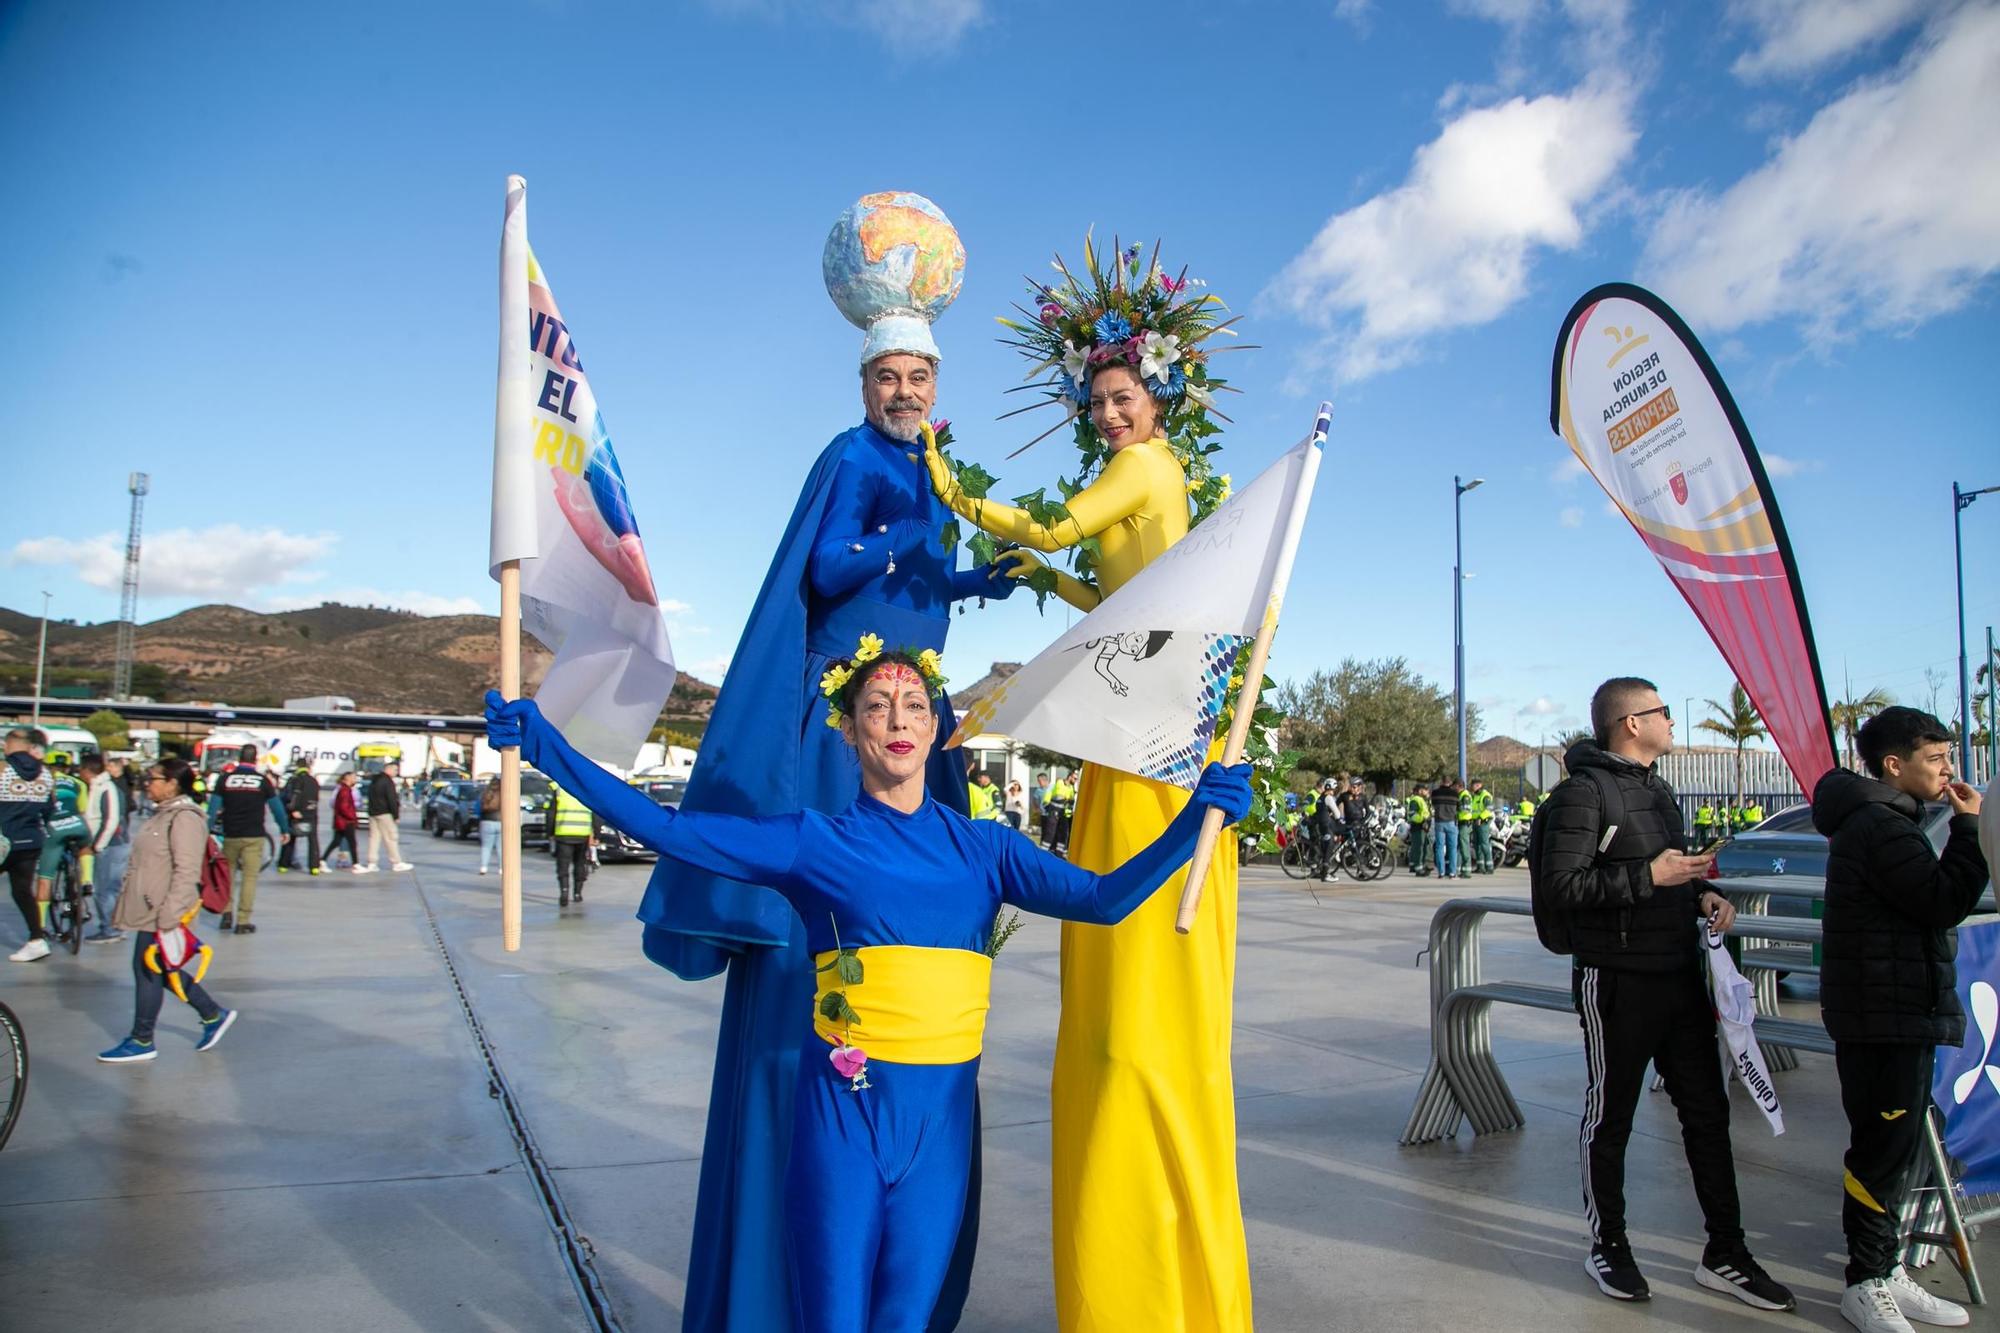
[
  {"x": 1923, "y": 1305},
  {"x": 402, "y": 865},
  {"x": 482, "y": 870},
  {"x": 1871, "y": 1307},
  {"x": 363, "y": 870},
  {"x": 31, "y": 952}
]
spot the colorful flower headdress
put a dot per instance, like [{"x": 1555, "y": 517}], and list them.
[
  {"x": 835, "y": 679},
  {"x": 1130, "y": 313}
]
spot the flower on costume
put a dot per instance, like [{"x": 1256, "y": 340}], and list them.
[
  {"x": 1112, "y": 328},
  {"x": 1168, "y": 386},
  {"x": 850, "y": 1061},
  {"x": 1157, "y": 352},
  {"x": 836, "y": 677},
  {"x": 1074, "y": 360},
  {"x": 869, "y": 649},
  {"x": 930, "y": 664}
]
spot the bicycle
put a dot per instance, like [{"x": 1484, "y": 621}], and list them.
[
  {"x": 13, "y": 1071},
  {"x": 69, "y": 902}
]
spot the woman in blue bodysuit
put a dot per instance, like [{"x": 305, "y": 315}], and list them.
[{"x": 898, "y": 896}]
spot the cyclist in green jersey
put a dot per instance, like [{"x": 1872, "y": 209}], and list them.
[{"x": 66, "y": 829}]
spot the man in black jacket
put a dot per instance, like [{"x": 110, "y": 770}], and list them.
[
  {"x": 302, "y": 804},
  {"x": 1889, "y": 985},
  {"x": 27, "y": 803},
  {"x": 1606, "y": 860},
  {"x": 385, "y": 807},
  {"x": 239, "y": 799}
]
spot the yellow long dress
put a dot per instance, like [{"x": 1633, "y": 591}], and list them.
[{"x": 1148, "y": 1223}]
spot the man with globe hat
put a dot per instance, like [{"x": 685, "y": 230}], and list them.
[{"x": 864, "y": 554}]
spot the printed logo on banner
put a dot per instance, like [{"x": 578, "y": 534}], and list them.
[
  {"x": 1677, "y": 481},
  {"x": 1966, "y": 1084}
]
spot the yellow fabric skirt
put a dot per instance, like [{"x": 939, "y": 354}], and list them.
[{"x": 1148, "y": 1223}]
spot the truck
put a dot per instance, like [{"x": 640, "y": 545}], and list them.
[{"x": 322, "y": 703}]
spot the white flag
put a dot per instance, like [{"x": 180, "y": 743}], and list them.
[
  {"x": 560, "y": 508},
  {"x": 1736, "y": 1015},
  {"x": 1138, "y": 683}
]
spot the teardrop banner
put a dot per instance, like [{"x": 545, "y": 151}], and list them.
[{"x": 1644, "y": 409}]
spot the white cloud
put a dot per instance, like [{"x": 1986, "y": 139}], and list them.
[
  {"x": 1499, "y": 11},
  {"x": 1883, "y": 212},
  {"x": 1451, "y": 247},
  {"x": 1781, "y": 465},
  {"x": 710, "y": 669},
  {"x": 1570, "y": 469},
  {"x": 1541, "y": 707},
  {"x": 1799, "y": 36},
  {"x": 1571, "y": 516},
  {"x": 1353, "y": 11},
  {"x": 225, "y": 563}
]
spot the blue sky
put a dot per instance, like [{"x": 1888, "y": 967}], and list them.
[{"x": 255, "y": 251}]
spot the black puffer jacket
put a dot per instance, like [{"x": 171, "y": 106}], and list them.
[
  {"x": 1889, "y": 969},
  {"x": 1620, "y": 919}
]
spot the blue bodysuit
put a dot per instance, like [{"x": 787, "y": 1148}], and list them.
[
  {"x": 766, "y": 751},
  {"x": 876, "y": 1186}
]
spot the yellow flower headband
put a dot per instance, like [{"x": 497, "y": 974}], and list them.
[{"x": 835, "y": 680}]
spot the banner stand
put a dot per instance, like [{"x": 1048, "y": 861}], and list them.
[
  {"x": 1955, "y": 1241},
  {"x": 510, "y": 760}
]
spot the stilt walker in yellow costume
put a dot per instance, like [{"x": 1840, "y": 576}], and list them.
[{"x": 1148, "y": 1226}]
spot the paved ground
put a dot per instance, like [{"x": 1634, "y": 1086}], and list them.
[{"x": 338, "y": 1162}]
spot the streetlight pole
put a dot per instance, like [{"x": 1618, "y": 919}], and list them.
[
  {"x": 41, "y": 656},
  {"x": 1959, "y": 500},
  {"x": 1459, "y": 488}
]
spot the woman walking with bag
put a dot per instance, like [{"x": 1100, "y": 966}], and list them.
[
  {"x": 161, "y": 894},
  {"x": 346, "y": 818}
]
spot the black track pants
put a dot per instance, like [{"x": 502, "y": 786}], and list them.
[
  {"x": 572, "y": 864},
  {"x": 1886, "y": 1091},
  {"x": 1630, "y": 1020},
  {"x": 20, "y": 871}
]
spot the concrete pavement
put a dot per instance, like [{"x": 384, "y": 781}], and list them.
[{"x": 338, "y": 1161}]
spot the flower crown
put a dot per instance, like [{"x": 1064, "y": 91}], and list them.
[{"x": 835, "y": 679}]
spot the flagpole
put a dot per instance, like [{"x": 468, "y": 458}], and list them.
[
  {"x": 510, "y": 760},
  {"x": 1232, "y": 753}
]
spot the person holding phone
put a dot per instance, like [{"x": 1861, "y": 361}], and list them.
[
  {"x": 1606, "y": 855},
  {"x": 1889, "y": 986}
]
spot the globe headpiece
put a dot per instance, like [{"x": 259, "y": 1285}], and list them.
[{"x": 893, "y": 262}]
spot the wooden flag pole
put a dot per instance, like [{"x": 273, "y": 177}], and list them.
[
  {"x": 1232, "y": 753},
  {"x": 510, "y": 760}
]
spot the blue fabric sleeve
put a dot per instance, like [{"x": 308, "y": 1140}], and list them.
[
  {"x": 1036, "y": 881},
  {"x": 214, "y": 804},
  {"x": 980, "y": 581},
  {"x": 837, "y": 568},
  {"x": 756, "y": 850},
  {"x": 278, "y": 809}
]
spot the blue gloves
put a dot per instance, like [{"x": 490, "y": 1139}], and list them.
[
  {"x": 507, "y": 723},
  {"x": 994, "y": 585},
  {"x": 1224, "y": 789}
]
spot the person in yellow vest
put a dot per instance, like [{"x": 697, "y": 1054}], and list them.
[
  {"x": 574, "y": 830},
  {"x": 1481, "y": 801},
  {"x": 1704, "y": 826},
  {"x": 1417, "y": 809},
  {"x": 982, "y": 797},
  {"x": 1753, "y": 815},
  {"x": 1526, "y": 809},
  {"x": 1056, "y": 812}
]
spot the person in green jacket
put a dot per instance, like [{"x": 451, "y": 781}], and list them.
[
  {"x": 1417, "y": 809},
  {"x": 1480, "y": 803}
]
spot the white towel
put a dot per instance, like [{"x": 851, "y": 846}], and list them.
[{"x": 1736, "y": 1014}]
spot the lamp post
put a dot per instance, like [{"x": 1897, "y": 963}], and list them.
[
  {"x": 1959, "y": 500},
  {"x": 41, "y": 654},
  {"x": 1459, "y": 488}
]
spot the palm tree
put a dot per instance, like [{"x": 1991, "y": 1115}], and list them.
[
  {"x": 1738, "y": 724},
  {"x": 1849, "y": 714}
]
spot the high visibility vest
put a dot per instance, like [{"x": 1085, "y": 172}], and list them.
[
  {"x": 1419, "y": 810},
  {"x": 1061, "y": 791},
  {"x": 1527, "y": 810},
  {"x": 979, "y": 802},
  {"x": 1704, "y": 817},
  {"x": 1477, "y": 807},
  {"x": 1754, "y": 815},
  {"x": 572, "y": 816}
]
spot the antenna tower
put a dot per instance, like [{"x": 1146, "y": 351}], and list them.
[{"x": 128, "y": 605}]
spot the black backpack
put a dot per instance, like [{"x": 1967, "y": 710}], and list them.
[{"x": 1553, "y": 924}]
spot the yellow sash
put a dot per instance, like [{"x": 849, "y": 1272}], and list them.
[{"x": 917, "y": 1006}]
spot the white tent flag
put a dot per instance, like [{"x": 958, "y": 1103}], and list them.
[
  {"x": 1138, "y": 683},
  {"x": 560, "y": 508},
  {"x": 1736, "y": 1015}
]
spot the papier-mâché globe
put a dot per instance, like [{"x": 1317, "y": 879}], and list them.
[{"x": 893, "y": 262}]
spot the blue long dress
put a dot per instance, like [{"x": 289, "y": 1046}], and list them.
[
  {"x": 878, "y": 1176},
  {"x": 766, "y": 751}
]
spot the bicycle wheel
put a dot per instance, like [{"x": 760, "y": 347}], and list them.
[
  {"x": 13, "y": 1071},
  {"x": 65, "y": 910},
  {"x": 1292, "y": 860},
  {"x": 1375, "y": 859}
]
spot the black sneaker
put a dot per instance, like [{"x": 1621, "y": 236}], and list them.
[
  {"x": 228, "y": 921},
  {"x": 1617, "y": 1275},
  {"x": 1736, "y": 1273},
  {"x": 246, "y": 929}
]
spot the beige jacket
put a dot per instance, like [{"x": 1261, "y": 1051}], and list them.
[{"x": 163, "y": 882}]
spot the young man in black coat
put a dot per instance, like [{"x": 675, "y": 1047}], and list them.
[
  {"x": 1889, "y": 985},
  {"x": 1607, "y": 860}
]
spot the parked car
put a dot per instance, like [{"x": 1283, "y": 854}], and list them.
[
  {"x": 535, "y": 798},
  {"x": 454, "y": 808},
  {"x": 1787, "y": 846},
  {"x": 613, "y": 845}
]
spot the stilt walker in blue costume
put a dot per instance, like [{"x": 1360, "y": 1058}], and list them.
[
  {"x": 864, "y": 552},
  {"x": 899, "y": 897}
]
